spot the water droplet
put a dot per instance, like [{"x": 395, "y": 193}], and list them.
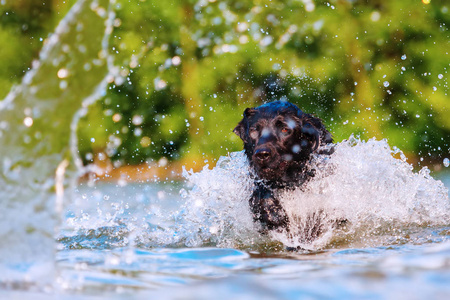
[
  {"x": 375, "y": 16},
  {"x": 183, "y": 193},
  {"x": 159, "y": 84},
  {"x": 403, "y": 56},
  {"x": 137, "y": 120},
  {"x": 440, "y": 76},
  {"x": 276, "y": 67},
  {"x": 266, "y": 41},
  {"x": 63, "y": 84},
  {"x": 116, "y": 117},
  {"x": 28, "y": 121},
  {"x": 446, "y": 162},
  {"x": 176, "y": 60},
  {"x": 309, "y": 6},
  {"x": 242, "y": 26},
  {"x": 162, "y": 162},
  {"x": 119, "y": 80},
  {"x": 137, "y": 131},
  {"x": 63, "y": 73},
  {"x": 386, "y": 83}
]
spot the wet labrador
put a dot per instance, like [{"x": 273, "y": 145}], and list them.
[{"x": 279, "y": 140}]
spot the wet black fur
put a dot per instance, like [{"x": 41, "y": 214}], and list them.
[{"x": 278, "y": 140}]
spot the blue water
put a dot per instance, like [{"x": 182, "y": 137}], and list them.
[
  {"x": 401, "y": 272},
  {"x": 103, "y": 262},
  {"x": 184, "y": 240}
]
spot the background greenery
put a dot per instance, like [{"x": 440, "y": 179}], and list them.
[{"x": 187, "y": 69}]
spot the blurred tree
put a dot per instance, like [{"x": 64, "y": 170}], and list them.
[
  {"x": 24, "y": 25},
  {"x": 187, "y": 69}
]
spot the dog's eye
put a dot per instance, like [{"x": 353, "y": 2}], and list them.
[
  {"x": 285, "y": 130},
  {"x": 253, "y": 133}
]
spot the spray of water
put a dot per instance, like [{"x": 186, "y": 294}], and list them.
[
  {"x": 35, "y": 131},
  {"x": 364, "y": 194},
  {"x": 360, "y": 194},
  {"x": 215, "y": 210},
  {"x": 363, "y": 191}
]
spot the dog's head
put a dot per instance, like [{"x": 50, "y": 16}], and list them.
[{"x": 279, "y": 139}]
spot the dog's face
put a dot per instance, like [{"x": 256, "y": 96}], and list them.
[{"x": 279, "y": 139}]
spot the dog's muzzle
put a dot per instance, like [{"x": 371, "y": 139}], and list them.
[{"x": 263, "y": 155}]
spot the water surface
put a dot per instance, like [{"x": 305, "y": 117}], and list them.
[{"x": 196, "y": 239}]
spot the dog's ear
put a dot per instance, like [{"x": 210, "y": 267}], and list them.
[
  {"x": 239, "y": 130},
  {"x": 312, "y": 134},
  {"x": 314, "y": 128},
  {"x": 248, "y": 112},
  {"x": 325, "y": 135}
]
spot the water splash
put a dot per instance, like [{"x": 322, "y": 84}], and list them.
[
  {"x": 37, "y": 120},
  {"x": 364, "y": 195},
  {"x": 215, "y": 211},
  {"x": 361, "y": 194}
]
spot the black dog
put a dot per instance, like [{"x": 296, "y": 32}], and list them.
[{"x": 278, "y": 140}]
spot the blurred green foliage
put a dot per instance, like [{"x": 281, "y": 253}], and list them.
[{"x": 185, "y": 71}]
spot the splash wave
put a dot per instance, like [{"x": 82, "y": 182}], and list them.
[
  {"x": 360, "y": 194},
  {"x": 363, "y": 195}
]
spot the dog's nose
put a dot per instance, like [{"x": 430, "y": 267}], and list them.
[{"x": 263, "y": 154}]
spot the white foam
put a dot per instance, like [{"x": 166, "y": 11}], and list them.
[
  {"x": 216, "y": 208},
  {"x": 380, "y": 198},
  {"x": 361, "y": 182}
]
